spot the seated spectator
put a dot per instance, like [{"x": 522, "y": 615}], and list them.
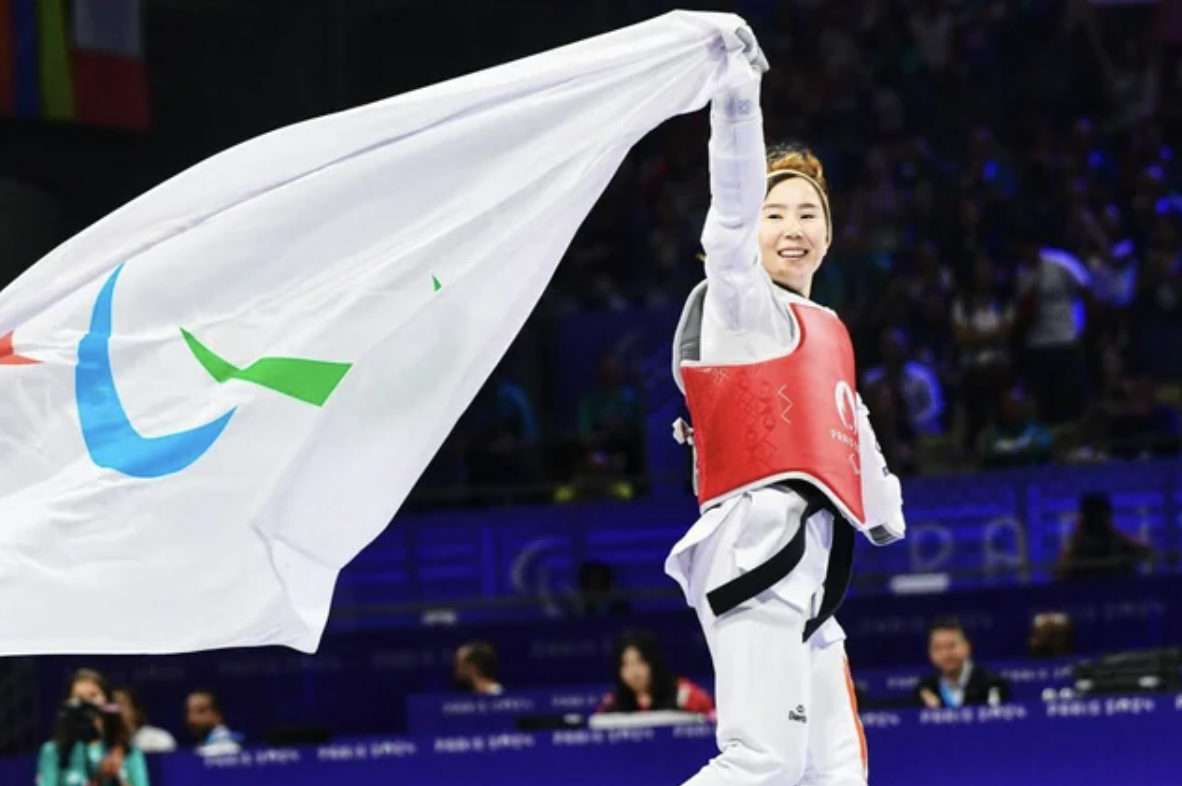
[
  {"x": 1098, "y": 549},
  {"x": 91, "y": 743},
  {"x": 912, "y": 382},
  {"x": 503, "y": 435},
  {"x": 207, "y": 724},
  {"x": 1017, "y": 438},
  {"x": 893, "y": 428},
  {"x": 611, "y": 418},
  {"x": 644, "y": 683},
  {"x": 1051, "y": 635},
  {"x": 476, "y": 669},
  {"x": 149, "y": 739},
  {"x": 957, "y": 681}
]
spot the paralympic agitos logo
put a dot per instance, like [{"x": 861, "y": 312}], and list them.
[{"x": 114, "y": 443}]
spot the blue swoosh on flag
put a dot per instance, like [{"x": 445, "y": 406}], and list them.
[{"x": 111, "y": 439}]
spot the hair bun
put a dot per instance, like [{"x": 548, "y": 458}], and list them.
[{"x": 798, "y": 159}]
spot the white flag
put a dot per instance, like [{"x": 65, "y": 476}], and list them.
[{"x": 214, "y": 398}]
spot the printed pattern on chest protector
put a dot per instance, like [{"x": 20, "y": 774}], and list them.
[{"x": 792, "y": 415}]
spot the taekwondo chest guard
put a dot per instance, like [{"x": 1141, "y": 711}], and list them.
[{"x": 793, "y": 417}]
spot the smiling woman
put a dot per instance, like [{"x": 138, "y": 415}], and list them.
[
  {"x": 787, "y": 469},
  {"x": 796, "y": 227}
]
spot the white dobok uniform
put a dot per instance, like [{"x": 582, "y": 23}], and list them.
[{"x": 786, "y": 708}]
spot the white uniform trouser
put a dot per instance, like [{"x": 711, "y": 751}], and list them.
[{"x": 786, "y": 710}]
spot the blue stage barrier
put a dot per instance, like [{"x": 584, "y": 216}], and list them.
[
  {"x": 451, "y": 713},
  {"x": 358, "y": 683},
  {"x": 1096, "y": 742},
  {"x": 983, "y": 529}
]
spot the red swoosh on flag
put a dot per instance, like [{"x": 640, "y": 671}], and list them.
[{"x": 8, "y": 356}]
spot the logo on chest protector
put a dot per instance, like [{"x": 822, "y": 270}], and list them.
[
  {"x": 798, "y": 714},
  {"x": 847, "y": 410}
]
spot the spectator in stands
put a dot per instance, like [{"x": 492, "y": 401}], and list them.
[
  {"x": 149, "y": 739},
  {"x": 895, "y": 434},
  {"x": 963, "y": 164},
  {"x": 610, "y": 439},
  {"x": 1111, "y": 259},
  {"x": 476, "y": 669},
  {"x": 933, "y": 29},
  {"x": 1097, "y": 549},
  {"x": 929, "y": 300},
  {"x": 611, "y": 418},
  {"x": 91, "y": 743},
  {"x": 957, "y": 681},
  {"x": 503, "y": 434},
  {"x": 982, "y": 321},
  {"x": 912, "y": 382},
  {"x": 1051, "y": 635},
  {"x": 207, "y": 724},
  {"x": 645, "y": 684},
  {"x": 1016, "y": 438},
  {"x": 1053, "y": 286}
]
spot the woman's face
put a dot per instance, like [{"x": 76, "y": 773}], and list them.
[
  {"x": 88, "y": 691},
  {"x": 635, "y": 671},
  {"x": 793, "y": 234}
]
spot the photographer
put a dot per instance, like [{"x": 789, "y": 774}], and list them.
[{"x": 91, "y": 743}]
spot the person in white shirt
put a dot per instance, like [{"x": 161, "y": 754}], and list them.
[
  {"x": 915, "y": 382},
  {"x": 787, "y": 466},
  {"x": 1054, "y": 288},
  {"x": 148, "y": 739}
]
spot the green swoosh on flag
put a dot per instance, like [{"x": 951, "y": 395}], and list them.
[{"x": 310, "y": 381}]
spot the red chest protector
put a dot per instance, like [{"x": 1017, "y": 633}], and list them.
[{"x": 794, "y": 416}]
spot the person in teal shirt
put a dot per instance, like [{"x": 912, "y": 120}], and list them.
[{"x": 106, "y": 760}]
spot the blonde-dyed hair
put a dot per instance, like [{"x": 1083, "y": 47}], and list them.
[{"x": 787, "y": 162}]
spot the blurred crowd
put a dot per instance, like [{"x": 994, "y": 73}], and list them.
[{"x": 1008, "y": 219}]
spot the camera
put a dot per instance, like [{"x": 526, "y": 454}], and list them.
[{"x": 83, "y": 722}]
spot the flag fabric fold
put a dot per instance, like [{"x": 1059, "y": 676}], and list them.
[{"x": 234, "y": 381}]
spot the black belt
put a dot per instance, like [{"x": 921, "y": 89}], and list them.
[{"x": 837, "y": 575}]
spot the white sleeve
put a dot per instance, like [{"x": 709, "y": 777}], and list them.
[
  {"x": 882, "y": 494},
  {"x": 738, "y": 287}
]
